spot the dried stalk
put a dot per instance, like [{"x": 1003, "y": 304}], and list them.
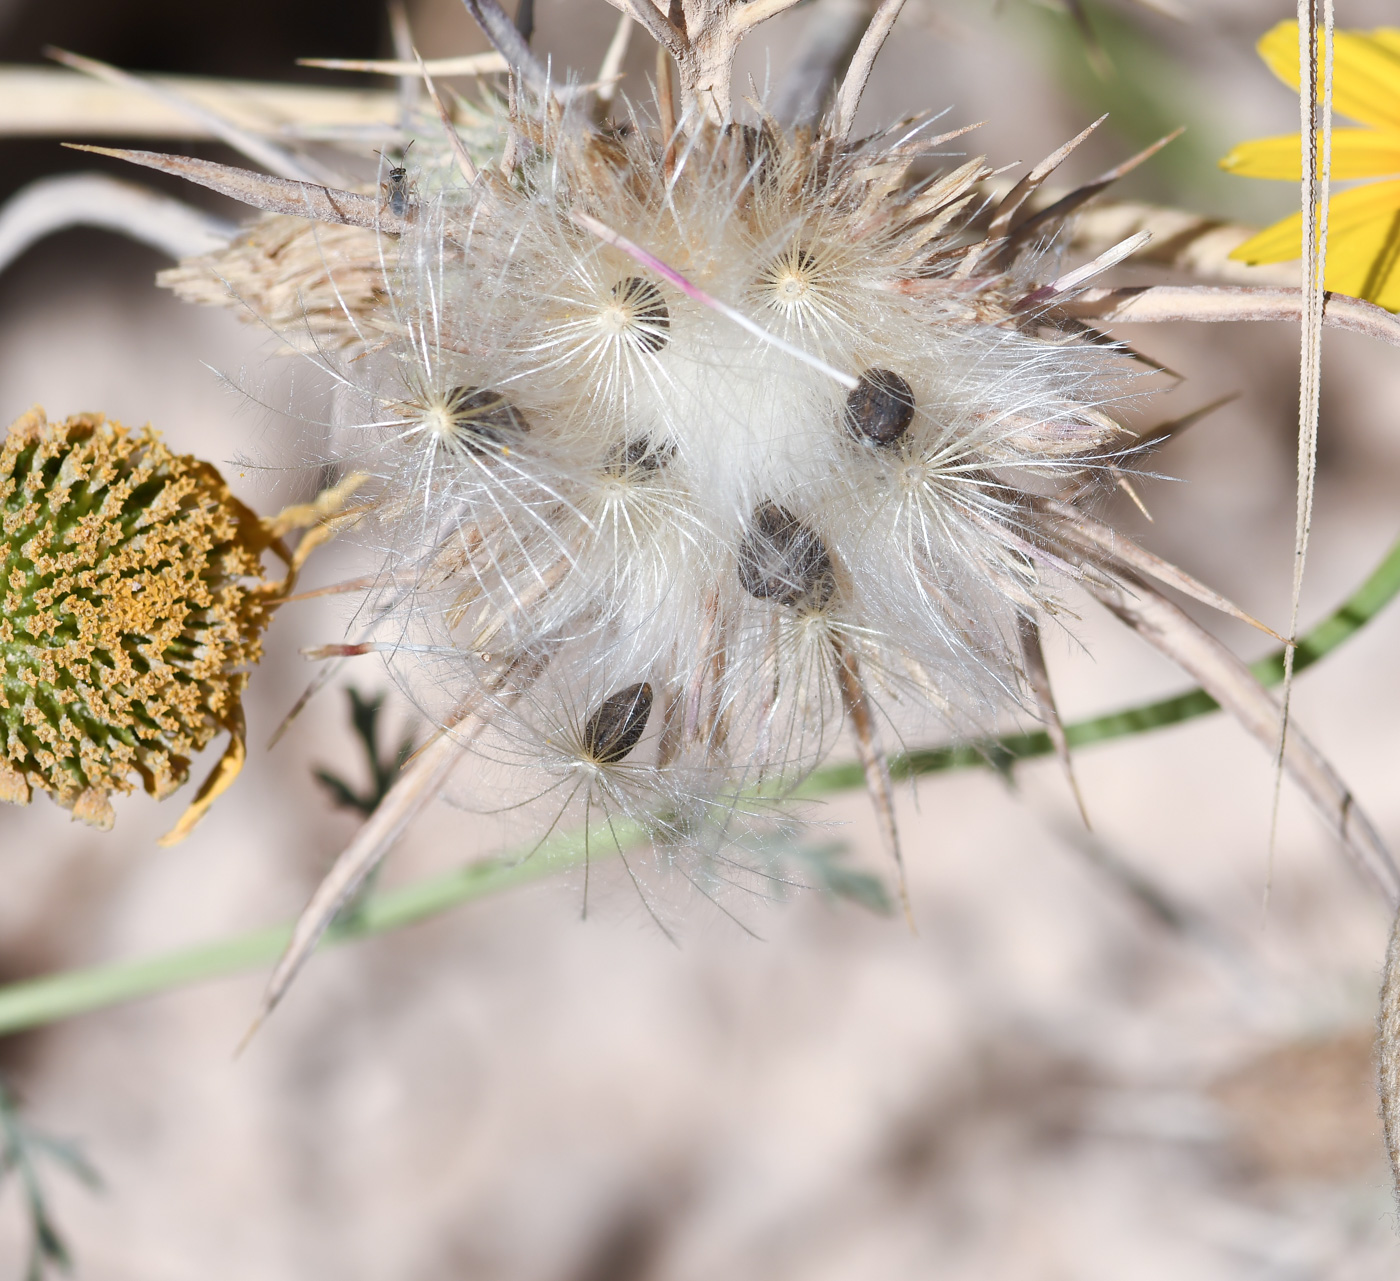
[
  {"x": 99, "y": 200},
  {"x": 858, "y": 73},
  {"x": 703, "y": 44},
  {"x": 1230, "y": 682},
  {"x": 1181, "y": 241},
  {"x": 1388, "y": 1055},
  {"x": 417, "y": 785},
  {"x": 45, "y": 102},
  {"x": 1316, "y": 183},
  {"x": 1154, "y": 304}
]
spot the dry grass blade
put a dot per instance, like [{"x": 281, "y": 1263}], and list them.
[
  {"x": 1154, "y": 304},
  {"x": 1038, "y": 678},
  {"x": 1180, "y": 240},
  {"x": 1227, "y": 680},
  {"x": 418, "y": 783},
  {"x": 258, "y": 150},
  {"x": 1317, "y": 175},
  {"x": 1388, "y": 1055},
  {"x": 262, "y": 191},
  {"x": 610, "y": 73},
  {"x": 465, "y": 165},
  {"x": 48, "y": 102},
  {"x": 472, "y": 64},
  {"x": 858, "y": 73}
]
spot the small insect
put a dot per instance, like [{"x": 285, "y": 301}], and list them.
[{"x": 398, "y": 193}]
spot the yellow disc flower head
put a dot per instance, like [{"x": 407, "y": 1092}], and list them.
[
  {"x": 133, "y": 607},
  {"x": 1363, "y": 241}
]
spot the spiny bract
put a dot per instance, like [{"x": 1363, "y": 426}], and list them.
[{"x": 132, "y": 611}]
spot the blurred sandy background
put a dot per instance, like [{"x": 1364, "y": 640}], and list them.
[{"x": 1049, "y": 1081}]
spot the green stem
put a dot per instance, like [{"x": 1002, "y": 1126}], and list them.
[{"x": 35, "y": 1002}]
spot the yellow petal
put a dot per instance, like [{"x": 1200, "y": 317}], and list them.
[
  {"x": 1356, "y": 153},
  {"x": 1362, "y": 256},
  {"x": 1363, "y": 243},
  {"x": 1388, "y": 38},
  {"x": 1365, "y": 74}
]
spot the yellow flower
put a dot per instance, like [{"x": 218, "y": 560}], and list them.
[{"x": 1363, "y": 241}]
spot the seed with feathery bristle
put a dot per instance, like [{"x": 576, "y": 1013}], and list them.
[
  {"x": 754, "y": 148},
  {"x": 617, "y": 724},
  {"x": 880, "y": 410},
  {"x": 785, "y": 561},
  {"x": 639, "y": 458},
  {"x": 640, "y": 312},
  {"x": 791, "y": 278},
  {"x": 469, "y": 418}
]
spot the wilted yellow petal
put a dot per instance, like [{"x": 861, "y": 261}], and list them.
[
  {"x": 1365, "y": 75},
  {"x": 1356, "y": 153},
  {"x": 1363, "y": 243}
]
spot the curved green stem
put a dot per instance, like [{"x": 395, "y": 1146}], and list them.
[{"x": 35, "y": 1002}]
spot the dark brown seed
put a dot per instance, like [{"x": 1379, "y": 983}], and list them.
[
  {"x": 782, "y": 560},
  {"x": 754, "y": 148},
  {"x": 639, "y": 457},
  {"x": 617, "y": 724},
  {"x": 651, "y": 319},
  {"x": 881, "y": 408},
  {"x": 485, "y": 414}
]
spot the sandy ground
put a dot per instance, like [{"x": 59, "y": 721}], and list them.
[{"x": 1047, "y": 1081}]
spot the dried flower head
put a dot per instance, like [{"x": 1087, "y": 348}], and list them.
[{"x": 133, "y": 610}]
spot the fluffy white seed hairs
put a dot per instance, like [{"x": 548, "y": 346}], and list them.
[{"x": 714, "y": 540}]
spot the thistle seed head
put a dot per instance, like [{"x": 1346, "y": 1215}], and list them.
[{"x": 751, "y": 418}]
